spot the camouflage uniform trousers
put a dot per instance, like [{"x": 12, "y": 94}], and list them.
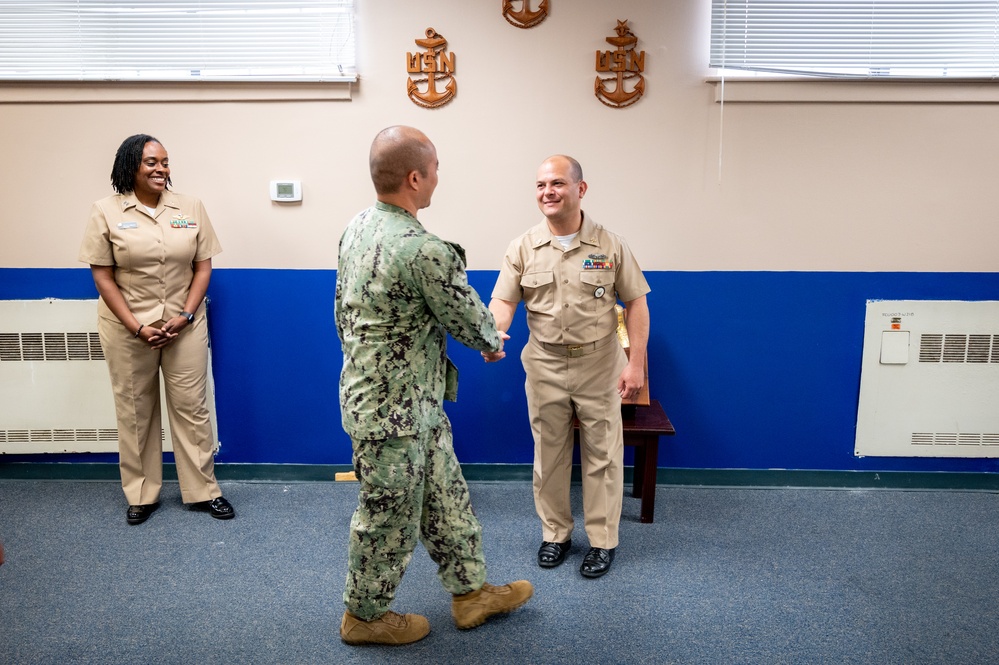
[{"x": 411, "y": 489}]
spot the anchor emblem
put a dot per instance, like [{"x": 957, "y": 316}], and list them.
[
  {"x": 525, "y": 18},
  {"x": 437, "y": 65},
  {"x": 626, "y": 64}
]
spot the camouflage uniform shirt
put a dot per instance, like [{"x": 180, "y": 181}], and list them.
[{"x": 399, "y": 291}]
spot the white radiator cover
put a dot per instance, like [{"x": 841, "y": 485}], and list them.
[
  {"x": 55, "y": 391},
  {"x": 929, "y": 384}
]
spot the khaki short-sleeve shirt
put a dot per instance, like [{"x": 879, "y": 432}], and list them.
[
  {"x": 570, "y": 294},
  {"x": 152, "y": 254}
]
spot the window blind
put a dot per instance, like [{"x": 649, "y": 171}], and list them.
[
  {"x": 171, "y": 40},
  {"x": 857, "y": 38}
]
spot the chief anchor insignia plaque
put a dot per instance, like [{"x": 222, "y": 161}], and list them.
[
  {"x": 627, "y": 66},
  {"x": 524, "y": 17},
  {"x": 438, "y": 67}
]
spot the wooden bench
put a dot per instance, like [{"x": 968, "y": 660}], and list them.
[{"x": 643, "y": 425}]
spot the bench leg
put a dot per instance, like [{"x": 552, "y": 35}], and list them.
[{"x": 650, "y": 464}]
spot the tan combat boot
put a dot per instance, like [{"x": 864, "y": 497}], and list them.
[
  {"x": 472, "y": 609},
  {"x": 389, "y": 628}
]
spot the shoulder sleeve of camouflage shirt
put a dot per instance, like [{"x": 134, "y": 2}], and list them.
[{"x": 439, "y": 274}]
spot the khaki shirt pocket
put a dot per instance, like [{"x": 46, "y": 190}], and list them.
[
  {"x": 597, "y": 289},
  {"x": 539, "y": 290}
]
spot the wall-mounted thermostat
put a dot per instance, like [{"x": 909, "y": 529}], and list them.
[{"x": 286, "y": 190}]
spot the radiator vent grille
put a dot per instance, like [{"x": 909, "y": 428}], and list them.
[
  {"x": 55, "y": 388},
  {"x": 957, "y": 348},
  {"x": 955, "y": 439},
  {"x": 931, "y": 389},
  {"x": 86, "y": 435},
  {"x": 34, "y": 347},
  {"x": 54, "y": 435}
]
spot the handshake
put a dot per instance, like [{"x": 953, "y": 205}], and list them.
[{"x": 494, "y": 356}]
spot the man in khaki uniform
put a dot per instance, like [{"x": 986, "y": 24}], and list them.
[
  {"x": 150, "y": 254},
  {"x": 570, "y": 272}
]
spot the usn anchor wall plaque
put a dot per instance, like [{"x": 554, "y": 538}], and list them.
[
  {"x": 627, "y": 85},
  {"x": 524, "y": 17},
  {"x": 437, "y": 67}
]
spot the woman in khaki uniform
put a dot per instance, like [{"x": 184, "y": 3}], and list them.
[{"x": 150, "y": 251}]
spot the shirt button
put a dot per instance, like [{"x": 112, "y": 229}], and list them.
[
  {"x": 565, "y": 306},
  {"x": 565, "y": 281}
]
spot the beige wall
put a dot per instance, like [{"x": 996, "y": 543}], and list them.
[{"x": 693, "y": 184}]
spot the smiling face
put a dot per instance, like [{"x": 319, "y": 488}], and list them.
[
  {"x": 559, "y": 194},
  {"x": 153, "y": 173}
]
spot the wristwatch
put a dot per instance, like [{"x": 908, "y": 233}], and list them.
[{"x": 188, "y": 316}]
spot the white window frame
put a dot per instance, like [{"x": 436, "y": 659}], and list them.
[
  {"x": 134, "y": 50},
  {"x": 859, "y": 65}
]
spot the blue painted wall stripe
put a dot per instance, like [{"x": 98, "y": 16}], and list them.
[{"x": 757, "y": 370}]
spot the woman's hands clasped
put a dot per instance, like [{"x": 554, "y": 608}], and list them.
[{"x": 157, "y": 338}]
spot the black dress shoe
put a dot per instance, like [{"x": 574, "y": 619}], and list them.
[
  {"x": 218, "y": 507},
  {"x": 139, "y": 514},
  {"x": 552, "y": 554},
  {"x": 596, "y": 562}
]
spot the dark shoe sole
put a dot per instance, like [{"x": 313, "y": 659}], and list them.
[{"x": 594, "y": 574}]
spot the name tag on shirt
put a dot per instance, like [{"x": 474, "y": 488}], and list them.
[{"x": 128, "y": 225}]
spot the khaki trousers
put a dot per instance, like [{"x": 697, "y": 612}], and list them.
[
  {"x": 135, "y": 380},
  {"x": 557, "y": 388}
]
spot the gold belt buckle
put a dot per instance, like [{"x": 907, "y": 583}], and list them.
[{"x": 575, "y": 350}]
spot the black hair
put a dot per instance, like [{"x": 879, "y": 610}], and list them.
[{"x": 127, "y": 161}]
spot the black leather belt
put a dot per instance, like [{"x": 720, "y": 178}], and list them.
[{"x": 577, "y": 350}]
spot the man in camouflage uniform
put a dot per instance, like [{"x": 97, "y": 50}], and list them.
[{"x": 400, "y": 290}]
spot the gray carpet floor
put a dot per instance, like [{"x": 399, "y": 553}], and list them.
[{"x": 724, "y": 575}]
